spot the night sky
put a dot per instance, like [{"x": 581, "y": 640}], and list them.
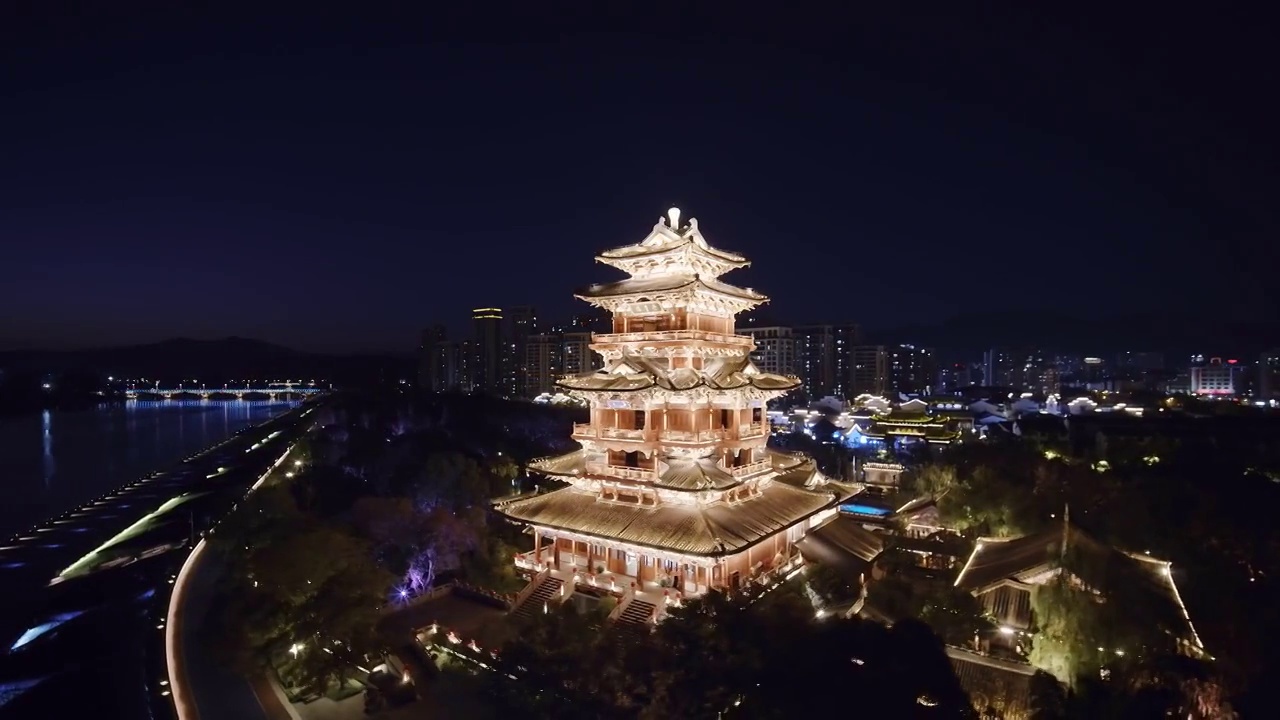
[{"x": 337, "y": 183}]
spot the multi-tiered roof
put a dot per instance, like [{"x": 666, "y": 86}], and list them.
[
  {"x": 910, "y": 420},
  {"x": 690, "y": 500},
  {"x": 674, "y": 268}
]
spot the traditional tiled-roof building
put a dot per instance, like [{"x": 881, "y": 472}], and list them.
[{"x": 673, "y": 484}]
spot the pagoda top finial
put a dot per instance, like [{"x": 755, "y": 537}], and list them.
[{"x": 673, "y": 218}]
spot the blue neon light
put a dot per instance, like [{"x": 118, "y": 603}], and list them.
[
  {"x": 860, "y": 509},
  {"x": 43, "y": 628},
  {"x": 12, "y": 690}
]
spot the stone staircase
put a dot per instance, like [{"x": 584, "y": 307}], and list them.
[
  {"x": 547, "y": 592},
  {"x": 635, "y": 617}
]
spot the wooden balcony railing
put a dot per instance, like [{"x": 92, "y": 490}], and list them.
[
  {"x": 622, "y": 434},
  {"x": 663, "y": 335},
  {"x": 618, "y": 471},
  {"x": 692, "y": 436},
  {"x": 588, "y": 430},
  {"x": 748, "y": 469}
]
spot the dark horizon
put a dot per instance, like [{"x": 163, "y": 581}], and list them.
[
  {"x": 960, "y": 337},
  {"x": 332, "y": 184}
]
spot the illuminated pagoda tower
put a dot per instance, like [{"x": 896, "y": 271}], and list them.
[{"x": 673, "y": 486}]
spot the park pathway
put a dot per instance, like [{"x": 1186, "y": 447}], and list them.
[{"x": 216, "y": 692}]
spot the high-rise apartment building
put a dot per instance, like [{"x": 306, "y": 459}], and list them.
[
  {"x": 775, "y": 349},
  {"x": 955, "y": 376},
  {"x": 1022, "y": 369},
  {"x": 543, "y": 363},
  {"x": 493, "y": 369},
  {"x": 428, "y": 350},
  {"x": 594, "y": 321},
  {"x": 870, "y": 370},
  {"x": 1269, "y": 375},
  {"x": 824, "y": 358},
  {"x": 998, "y": 367},
  {"x": 452, "y": 361},
  {"x": 552, "y": 356},
  {"x": 522, "y": 323},
  {"x": 912, "y": 370},
  {"x": 577, "y": 353},
  {"x": 444, "y": 364}
]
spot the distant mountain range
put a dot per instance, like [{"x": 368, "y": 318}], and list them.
[
  {"x": 212, "y": 361},
  {"x": 1173, "y": 333}
]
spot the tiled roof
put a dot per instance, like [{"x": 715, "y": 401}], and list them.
[
  {"x": 702, "y": 474},
  {"x": 1001, "y": 685},
  {"x": 573, "y": 463},
  {"x": 640, "y": 250},
  {"x": 848, "y": 536},
  {"x": 714, "y": 530},
  {"x": 1098, "y": 565},
  {"x": 633, "y": 373},
  {"x": 664, "y": 283}
]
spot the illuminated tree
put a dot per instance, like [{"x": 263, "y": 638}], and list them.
[
  {"x": 932, "y": 480},
  {"x": 314, "y": 588}
]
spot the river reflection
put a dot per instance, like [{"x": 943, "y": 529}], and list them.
[{"x": 54, "y": 461}]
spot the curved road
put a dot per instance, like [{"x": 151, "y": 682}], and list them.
[{"x": 202, "y": 689}]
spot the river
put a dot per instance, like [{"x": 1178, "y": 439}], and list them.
[{"x": 54, "y": 461}]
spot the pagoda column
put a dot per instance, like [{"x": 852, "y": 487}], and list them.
[{"x": 537, "y": 546}]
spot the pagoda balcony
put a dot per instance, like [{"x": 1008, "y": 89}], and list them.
[
  {"x": 621, "y": 434},
  {"x": 673, "y": 335},
  {"x": 758, "y": 466},
  {"x": 619, "y": 471},
  {"x": 751, "y": 430},
  {"x": 588, "y": 430},
  {"x": 691, "y": 436}
]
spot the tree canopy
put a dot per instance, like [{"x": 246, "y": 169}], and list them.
[{"x": 726, "y": 656}]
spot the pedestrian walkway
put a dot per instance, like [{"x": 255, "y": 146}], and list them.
[{"x": 216, "y": 691}]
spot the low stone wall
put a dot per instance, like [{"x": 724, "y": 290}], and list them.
[
  {"x": 470, "y": 592},
  {"x": 480, "y": 595}
]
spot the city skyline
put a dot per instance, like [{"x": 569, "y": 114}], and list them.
[
  {"x": 330, "y": 203},
  {"x": 624, "y": 361}
]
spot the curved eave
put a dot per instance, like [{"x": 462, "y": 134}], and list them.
[
  {"x": 891, "y": 420},
  {"x": 589, "y": 295},
  {"x": 564, "y": 384},
  {"x": 832, "y": 502},
  {"x": 629, "y": 252},
  {"x": 950, "y": 437},
  {"x": 700, "y": 384},
  {"x": 555, "y": 473}
]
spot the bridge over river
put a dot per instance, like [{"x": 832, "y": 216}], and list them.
[{"x": 271, "y": 390}]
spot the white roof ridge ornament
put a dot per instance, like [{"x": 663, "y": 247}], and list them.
[
  {"x": 696, "y": 234},
  {"x": 673, "y": 215}
]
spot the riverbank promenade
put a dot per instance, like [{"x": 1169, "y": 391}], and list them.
[{"x": 95, "y": 584}]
